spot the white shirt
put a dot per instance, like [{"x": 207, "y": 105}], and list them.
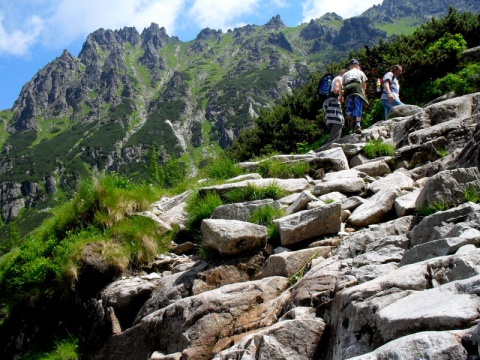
[
  {"x": 394, "y": 86},
  {"x": 354, "y": 74}
]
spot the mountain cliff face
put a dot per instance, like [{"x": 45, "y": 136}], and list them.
[
  {"x": 390, "y": 10},
  {"x": 128, "y": 91}
]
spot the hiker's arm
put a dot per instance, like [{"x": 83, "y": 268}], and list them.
[
  {"x": 341, "y": 91},
  {"x": 338, "y": 87},
  {"x": 386, "y": 86}
]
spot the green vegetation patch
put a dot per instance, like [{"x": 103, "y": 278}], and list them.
[
  {"x": 274, "y": 168},
  {"x": 222, "y": 168},
  {"x": 122, "y": 111},
  {"x": 401, "y": 27},
  {"x": 233, "y": 94},
  {"x": 50, "y": 128},
  {"x": 265, "y": 216},
  {"x": 5, "y": 118},
  {"x": 376, "y": 148},
  {"x": 198, "y": 208},
  {"x": 101, "y": 213},
  {"x": 252, "y": 192},
  {"x": 66, "y": 349}
]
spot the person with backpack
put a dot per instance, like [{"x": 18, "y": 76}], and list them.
[
  {"x": 354, "y": 85},
  {"x": 391, "y": 89},
  {"x": 333, "y": 110}
]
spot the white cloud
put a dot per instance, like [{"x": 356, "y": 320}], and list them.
[
  {"x": 217, "y": 14},
  {"x": 57, "y": 24},
  {"x": 18, "y": 42},
  {"x": 313, "y": 9},
  {"x": 279, "y": 3},
  {"x": 76, "y": 19}
]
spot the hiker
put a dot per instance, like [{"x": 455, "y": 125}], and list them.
[
  {"x": 354, "y": 85},
  {"x": 391, "y": 89},
  {"x": 333, "y": 110}
]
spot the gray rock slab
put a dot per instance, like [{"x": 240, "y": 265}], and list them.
[
  {"x": 301, "y": 202},
  {"x": 334, "y": 159},
  {"x": 352, "y": 185},
  {"x": 448, "y": 186},
  {"x": 308, "y": 224},
  {"x": 430, "y": 227},
  {"x": 374, "y": 168},
  {"x": 376, "y": 208},
  {"x": 289, "y": 185},
  {"x": 242, "y": 211},
  {"x": 289, "y": 263},
  {"x": 399, "y": 178},
  {"x": 440, "y": 247},
  {"x": 231, "y": 237},
  {"x": 451, "y": 306},
  {"x": 438, "y": 345}
]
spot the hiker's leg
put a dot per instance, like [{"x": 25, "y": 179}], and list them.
[
  {"x": 387, "y": 107},
  {"x": 349, "y": 108},
  {"x": 357, "y": 112},
  {"x": 335, "y": 133}
]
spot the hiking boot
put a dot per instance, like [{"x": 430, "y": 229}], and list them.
[
  {"x": 358, "y": 129},
  {"x": 350, "y": 122}
]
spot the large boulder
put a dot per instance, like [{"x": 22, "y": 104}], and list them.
[
  {"x": 448, "y": 187},
  {"x": 308, "y": 224},
  {"x": 194, "y": 325},
  {"x": 376, "y": 208},
  {"x": 232, "y": 237},
  {"x": 439, "y": 345}
]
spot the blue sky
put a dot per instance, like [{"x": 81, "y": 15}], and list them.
[{"x": 35, "y": 32}]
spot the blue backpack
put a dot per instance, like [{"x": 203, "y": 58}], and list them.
[{"x": 324, "y": 86}]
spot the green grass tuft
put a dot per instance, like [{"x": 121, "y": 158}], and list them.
[
  {"x": 377, "y": 148},
  {"x": 252, "y": 193},
  {"x": 434, "y": 207},
  {"x": 222, "y": 168},
  {"x": 265, "y": 216},
  {"x": 471, "y": 194},
  {"x": 272, "y": 168},
  {"x": 63, "y": 350},
  {"x": 101, "y": 213},
  {"x": 201, "y": 207}
]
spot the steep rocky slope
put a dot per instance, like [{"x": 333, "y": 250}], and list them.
[
  {"x": 359, "y": 272},
  {"x": 379, "y": 280}
]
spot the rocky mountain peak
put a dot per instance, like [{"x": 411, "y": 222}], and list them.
[
  {"x": 393, "y": 9},
  {"x": 156, "y": 36},
  {"x": 130, "y": 34},
  {"x": 275, "y": 23},
  {"x": 316, "y": 30},
  {"x": 67, "y": 56},
  {"x": 46, "y": 90},
  {"x": 329, "y": 16},
  {"x": 358, "y": 29},
  {"x": 208, "y": 33}
]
